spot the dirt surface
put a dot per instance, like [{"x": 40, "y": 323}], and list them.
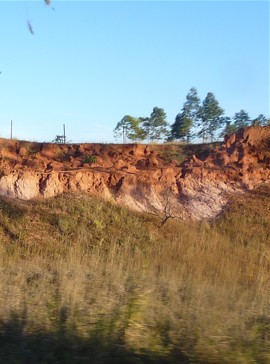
[{"x": 189, "y": 182}]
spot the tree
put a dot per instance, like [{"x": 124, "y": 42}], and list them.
[
  {"x": 210, "y": 117},
  {"x": 129, "y": 127},
  {"x": 241, "y": 119},
  {"x": 181, "y": 127},
  {"x": 155, "y": 127},
  {"x": 229, "y": 126},
  {"x": 260, "y": 120},
  {"x": 185, "y": 120}
]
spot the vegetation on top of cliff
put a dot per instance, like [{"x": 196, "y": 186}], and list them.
[
  {"x": 206, "y": 120},
  {"x": 84, "y": 280}
]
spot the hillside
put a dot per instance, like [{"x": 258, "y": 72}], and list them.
[
  {"x": 87, "y": 281},
  {"x": 188, "y": 182},
  {"x": 84, "y": 279}
]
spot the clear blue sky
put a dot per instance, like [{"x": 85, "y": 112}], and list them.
[{"x": 91, "y": 62}]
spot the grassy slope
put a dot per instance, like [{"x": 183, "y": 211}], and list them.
[{"x": 86, "y": 281}]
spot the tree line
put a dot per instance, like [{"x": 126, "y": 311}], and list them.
[{"x": 205, "y": 120}]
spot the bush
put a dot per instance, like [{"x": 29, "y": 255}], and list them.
[{"x": 90, "y": 159}]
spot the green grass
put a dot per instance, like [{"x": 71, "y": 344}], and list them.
[
  {"x": 182, "y": 152},
  {"x": 86, "y": 281}
]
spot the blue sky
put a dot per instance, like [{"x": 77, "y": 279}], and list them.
[{"x": 89, "y": 63}]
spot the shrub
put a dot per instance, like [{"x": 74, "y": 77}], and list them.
[{"x": 90, "y": 159}]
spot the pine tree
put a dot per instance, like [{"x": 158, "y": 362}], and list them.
[
  {"x": 185, "y": 120},
  {"x": 260, "y": 120},
  {"x": 155, "y": 127},
  {"x": 129, "y": 127},
  {"x": 241, "y": 119},
  {"x": 229, "y": 126},
  {"x": 181, "y": 127},
  {"x": 210, "y": 117}
]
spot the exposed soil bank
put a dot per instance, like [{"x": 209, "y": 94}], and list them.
[{"x": 189, "y": 182}]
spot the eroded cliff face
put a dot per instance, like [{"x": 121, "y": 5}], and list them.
[{"x": 141, "y": 177}]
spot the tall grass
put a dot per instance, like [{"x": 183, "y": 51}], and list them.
[{"x": 86, "y": 281}]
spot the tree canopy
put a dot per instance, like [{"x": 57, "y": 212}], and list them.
[
  {"x": 155, "y": 126},
  {"x": 205, "y": 120},
  {"x": 241, "y": 119},
  {"x": 210, "y": 117},
  {"x": 185, "y": 120},
  {"x": 260, "y": 120},
  {"x": 129, "y": 127}
]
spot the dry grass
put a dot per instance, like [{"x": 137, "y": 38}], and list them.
[
  {"x": 85, "y": 281},
  {"x": 181, "y": 152}
]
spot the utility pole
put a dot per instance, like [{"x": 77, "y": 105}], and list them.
[
  {"x": 64, "y": 136},
  {"x": 11, "y": 129}
]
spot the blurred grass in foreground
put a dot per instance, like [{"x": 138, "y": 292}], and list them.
[{"x": 85, "y": 281}]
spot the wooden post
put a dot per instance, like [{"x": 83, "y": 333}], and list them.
[
  {"x": 64, "y": 127},
  {"x": 11, "y": 129}
]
